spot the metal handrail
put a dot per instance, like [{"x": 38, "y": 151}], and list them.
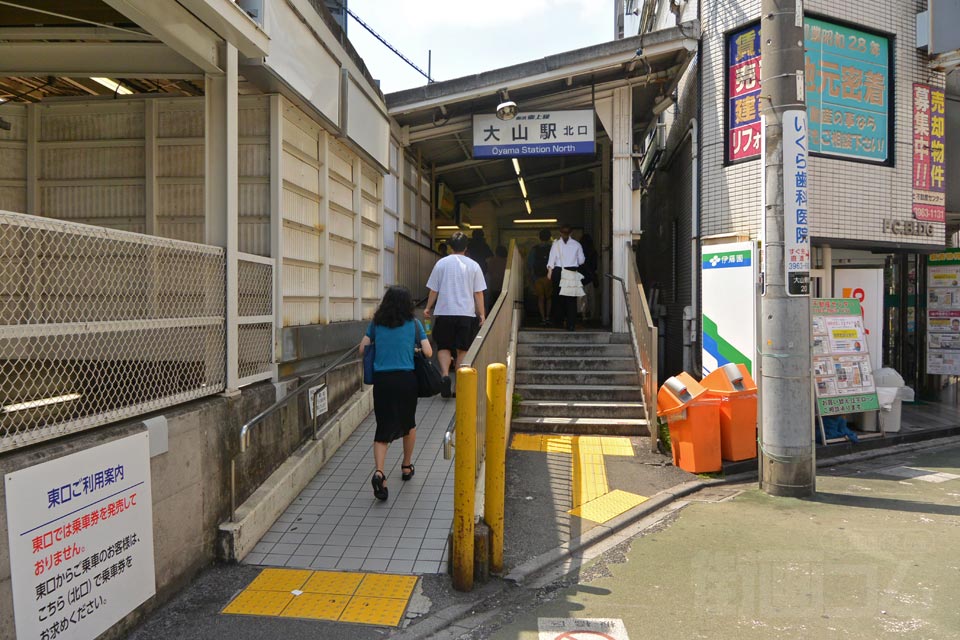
[{"x": 641, "y": 370}]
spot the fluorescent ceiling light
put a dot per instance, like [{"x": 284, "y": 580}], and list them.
[
  {"x": 523, "y": 188},
  {"x": 535, "y": 220},
  {"x": 447, "y": 227},
  {"x": 475, "y": 226},
  {"x": 529, "y": 208},
  {"x": 516, "y": 165},
  {"x": 34, "y": 404},
  {"x": 113, "y": 85}
]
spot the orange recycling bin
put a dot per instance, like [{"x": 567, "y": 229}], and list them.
[
  {"x": 737, "y": 393},
  {"x": 694, "y": 421}
]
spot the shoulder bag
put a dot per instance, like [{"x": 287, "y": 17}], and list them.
[
  {"x": 369, "y": 353},
  {"x": 428, "y": 377}
]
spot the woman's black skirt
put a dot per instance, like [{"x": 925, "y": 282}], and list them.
[{"x": 394, "y": 404}]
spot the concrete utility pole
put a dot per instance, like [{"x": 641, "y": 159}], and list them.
[{"x": 787, "y": 456}]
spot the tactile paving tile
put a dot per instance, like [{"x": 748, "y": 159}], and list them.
[
  {"x": 608, "y": 506},
  {"x": 387, "y": 586},
  {"x": 316, "y": 606},
  {"x": 381, "y": 611},
  {"x": 558, "y": 444},
  {"x": 526, "y": 442},
  {"x": 279, "y": 580},
  {"x": 616, "y": 446},
  {"x": 259, "y": 603},
  {"x": 333, "y": 582}
]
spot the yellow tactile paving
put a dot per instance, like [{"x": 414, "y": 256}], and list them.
[
  {"x": 527, "y": 442},
  {"x": 558, "y": 444},
  {"x": 589, "y": 476},
  {"x": 608, "y": 506},
  {"x": 280, "y": 579},
  {"x": 382, "y": 611},
  {"x": 251, "y": 602},
  {"x": 366, "y": 598},
  {"x": 387, "y": 586},
  {"x": 316, "y": 606},
  {"x": 333, "y": 582},
  {"x": 615, "y": 446}
]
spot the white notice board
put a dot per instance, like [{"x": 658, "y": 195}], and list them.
[{"x": 81, "y": 540}]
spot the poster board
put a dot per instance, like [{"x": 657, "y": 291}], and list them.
[
  {"x": 866, "y": 285},
  {"x": 943, "y": 313},
  {"x": 843, "y": 376},
  {"x": 80, "y": 530},
  {"x": 728, "y": 317}
]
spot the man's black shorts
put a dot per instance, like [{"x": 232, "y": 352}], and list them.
[{"x": 454, "y": 333}]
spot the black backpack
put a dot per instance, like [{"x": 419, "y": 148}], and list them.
[{"x": 541, "y": 253}]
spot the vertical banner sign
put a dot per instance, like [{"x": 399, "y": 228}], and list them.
[
  {"x": 796, "y": 239},
  {"x": 743, "y": 94},
  {"x": 843, "y": 377},
  {"x": 729, "y": 279},
  {"x": 929, "y": 137},
  {"x": 81, "y": 540},
  {"x": 866, "y": 285},
  {"x": 943, "y": 313},
  {"x": 847, "y": 74}
]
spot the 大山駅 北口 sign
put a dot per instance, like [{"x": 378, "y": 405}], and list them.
[{"x": 536, "y": 133}]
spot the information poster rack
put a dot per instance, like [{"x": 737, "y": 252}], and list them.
[
  {"x": 943, "y": 313},
  {"x": 843, "y": 377}
]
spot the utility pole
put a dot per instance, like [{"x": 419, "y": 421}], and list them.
[{"x": 787, "y": 466}]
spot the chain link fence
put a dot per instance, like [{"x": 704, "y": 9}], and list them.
[
  {"x": 99, "y": 325},
  {"x": 255, "y": 308}
]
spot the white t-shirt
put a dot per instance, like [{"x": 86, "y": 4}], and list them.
[
  {"x": 456, "y": 278},
  {"x": 565, "y": 254}
]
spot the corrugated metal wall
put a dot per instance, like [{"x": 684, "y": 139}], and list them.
[
  {"x": 332, "y": 206},
  {"x": 13, "y": 159}
]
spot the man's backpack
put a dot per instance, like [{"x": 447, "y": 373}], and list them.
[{"x": 541, "y": 254}]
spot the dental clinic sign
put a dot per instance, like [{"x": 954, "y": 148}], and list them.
[{"x": 535, "y": 133}]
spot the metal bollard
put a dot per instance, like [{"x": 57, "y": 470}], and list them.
[
  {"x": 495, "y": 471},
  {"x": 464, "y": 479}
]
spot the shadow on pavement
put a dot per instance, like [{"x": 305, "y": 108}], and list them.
[{"x": 890, "y": 504}]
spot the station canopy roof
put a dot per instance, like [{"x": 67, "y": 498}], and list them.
[{"x": 437, "y": 118}]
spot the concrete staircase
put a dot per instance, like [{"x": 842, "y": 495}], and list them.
[{"x": 582, "y": 382}]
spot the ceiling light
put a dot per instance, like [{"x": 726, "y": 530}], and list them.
[
  {"x": 507, "y": 110},
  {"x": 447, "y": 227},
  {"x": 516, "y": 165},
  {"x": 475, "y": 226},
  {"x": 529, "y": 208},
  {"x": 523, "y": 188},
  {"x": 535, "y": 220},
  {"x": 113, "y": 85}
]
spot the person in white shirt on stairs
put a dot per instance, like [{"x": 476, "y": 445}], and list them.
[{"x": 563, "y": 266}]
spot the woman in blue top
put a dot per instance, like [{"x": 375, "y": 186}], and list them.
[{"x": 397, "y": 333}]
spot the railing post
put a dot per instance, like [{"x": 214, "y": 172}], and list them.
[
  {"x": 464, "y": 479},
  {"x": 495, "y": 470}
]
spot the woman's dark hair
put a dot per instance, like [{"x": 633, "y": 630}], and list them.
[
  {"x": 395, "y": 309},
  {"x": 458, "y": 242}
]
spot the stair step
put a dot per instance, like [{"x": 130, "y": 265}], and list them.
[
  {"x": 565, "y": 337},
  {"x": 556, "y": 349},
  {"x": 577, "y": 377},
  {"x": 578, "y": 392},
  {"x": 581, "y": 409},
  {"x": 567, "y": 363},
  {"x": 581, "y": 426}
]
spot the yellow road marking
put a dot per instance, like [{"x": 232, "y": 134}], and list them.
[
  {"x": 591, "y": 495},
  {"x": 608, "y": 506},
  {"x": 365, "y": 598}
]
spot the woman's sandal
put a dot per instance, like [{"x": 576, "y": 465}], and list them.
[
  {"x": 406, "y": 476},
  {"x": 379, "y": 491}
]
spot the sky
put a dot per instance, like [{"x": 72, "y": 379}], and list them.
[{"x": 469, "y": 37}]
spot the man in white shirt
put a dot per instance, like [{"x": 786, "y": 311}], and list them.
[
  {"x": 456, "y": 287},
  {"x": 566, "y": 256}
]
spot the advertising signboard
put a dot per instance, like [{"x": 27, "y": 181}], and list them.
[
  {"x": 534, "y": 133},
  {"x": 843, "y": 377},
  {"x": 728, "y": 317},
  {"x": 796, "y": 240},
  {"x": 847, "y": 86},
  {"x": 81, "y": 540},
  {"x": 866, "y": 285}
]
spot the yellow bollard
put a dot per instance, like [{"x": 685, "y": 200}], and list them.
[
  {"x": 464, "y": 478},
  {"x": 495, "y": 472}
]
